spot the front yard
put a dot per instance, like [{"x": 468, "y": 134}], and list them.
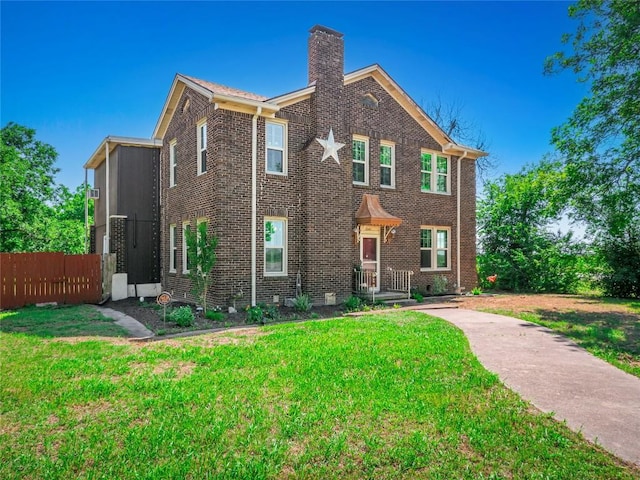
[{"x": 392, "y": 396}]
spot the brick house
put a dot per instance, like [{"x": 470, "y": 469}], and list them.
[{"x": 344, "y": 185}]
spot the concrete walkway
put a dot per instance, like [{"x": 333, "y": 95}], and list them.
[
  {"x": 135, "y": 328},
  {"x": 557, "y": 376}
]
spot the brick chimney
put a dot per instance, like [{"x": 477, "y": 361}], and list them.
[{"x": 326, "y": 55}]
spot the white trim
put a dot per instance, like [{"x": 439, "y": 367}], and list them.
[
  {"x": 173, "y": 247},
  {"x": 392, "y": 167},
  {"x": 173, "y": 163},
  {"x": 284, "y": 149},
  {"x": 434, "y": 171},
  {"x": 434, "y": 248},
  {"x": 293, "y": 97},
  {"x": 285, "y": 242},
  {"x": 375, "y": 236},
  {"x": 96, "y": 159},
  {"x": 201, "y": 144},
  {"x": 360, "y": 138},
  {"x": 185, "y": 268}
]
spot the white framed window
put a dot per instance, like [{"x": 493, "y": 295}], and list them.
[
  {"x": 360, "y": 157},
  {"x": 276, "y": 144},
  {"x": 387, "y": 164},
  {"x": 435, "y": 248},
  {"x": 275, "y": 246},
  {"x": 173, "y": 248},
  {"x": 173, "y": 163},
  {"x": 186, "y": 261},
  {"x": 202, "y": 146},
  {"x": 435, "y": 172}
]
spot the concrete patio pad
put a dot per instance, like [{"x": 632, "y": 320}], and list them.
[{"x": 554, "y": 374}]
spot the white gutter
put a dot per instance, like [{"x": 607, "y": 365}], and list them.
[
  {"x": 106, "y": 244},
  {"x": 464, "y": 155},
  {"x": 254, "y": 201},
  {"x": 86, "y": 211}
]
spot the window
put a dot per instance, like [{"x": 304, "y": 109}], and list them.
[
  {"x": 434, "y": 248},
  {"x": 186, "y": 261},
  {"x": 202, "y": 147},
  {"x": 173, "y": 249},
  {"x": 275, "y": 246},
  {"x": 173, "y": 163},
  {"x": 276, "y": 147},
  {"x": 360, "y": 153},
  {"x": 387, "y": 164},
  {"x": 434, "y": 169}
]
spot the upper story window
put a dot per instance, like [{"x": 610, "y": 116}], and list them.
[
  {"x": 173, "y": 248},
  {"x": 276, "y": 141},
  {"x": 434, "y": 169},
  {"x": 173, "y": 163},
  {"x": 360, "y": 156},
  {"x": 387, "y": 164},
  {"x": 369, "y": 100},
  {"x": 202, "y": 146},
  {"x": 275, "y": 246},
  {"x": 186, "y": 261},
  {"x": 434, "y": 248}
]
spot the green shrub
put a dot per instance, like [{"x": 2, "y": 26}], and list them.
[
  {"x": 255, "y": 315},
  {"x": 417, "y": 296},
  {"x": 182, "y": 316},
  {"x": 215, "y": 315},
  {"x": 476, "y": 291},
  {"x": 439, "y": 284},
  {"x": 353, "y": 304},
  {"x": 302, "y": 303}
]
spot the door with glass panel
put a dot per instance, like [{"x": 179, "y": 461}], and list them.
[{"x": 370, "y": 261}]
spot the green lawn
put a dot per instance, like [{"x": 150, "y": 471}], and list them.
[
  {"x": 612, "y": 336},
  {"x": 59, "y": 321},
  {"x": 394, "y": 396}
]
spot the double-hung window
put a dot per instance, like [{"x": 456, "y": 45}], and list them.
[
  {"x": 186, "y": 261},
  {"x": 435, "y": 248},
  {"x": 173, "y": 248},
  {"x": 434, "y": 170},
  {"x": 173, "y": 163},
  {"x": 276, "y": 140},
  {"x": 202, "y": 146},
  {"x": 360, "y": 157},
  {"x": 275, "y": 246},
  {"x": 387, "y": 164}
]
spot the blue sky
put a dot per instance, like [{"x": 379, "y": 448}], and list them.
[{"x": 79, "y": 71}]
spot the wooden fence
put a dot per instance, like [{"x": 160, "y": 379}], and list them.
[{"x": 29, "y": 278}]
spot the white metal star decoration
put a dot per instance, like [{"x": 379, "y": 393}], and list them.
[{"x": 331, "y": 147}]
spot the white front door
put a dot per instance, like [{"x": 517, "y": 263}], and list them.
[{"x": 370, "y": 260}]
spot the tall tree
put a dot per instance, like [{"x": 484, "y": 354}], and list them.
[
  {"x": 600, "y": 142},
  {"x": 26, "y": 185}
]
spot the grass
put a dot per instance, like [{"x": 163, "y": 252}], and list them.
[
  {"x": 59, "y": 321},
  {"x": 394, "y": 396},
  {"x": 611, "y": 336}
]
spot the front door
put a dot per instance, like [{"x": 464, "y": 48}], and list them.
[{"x": 370, "y": 260}]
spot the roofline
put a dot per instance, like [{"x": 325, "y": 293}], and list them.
[
  {"x": 470, "y": 152},
  {"x": 98, "y": 156},
  {"x": 293, "y": 97}
]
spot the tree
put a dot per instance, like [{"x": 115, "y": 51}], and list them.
[
  {"x": 65, "y": 226},
  {"x": 600, "y": 142},
  {"x": 201, "y": 252},
  {"x": 26, "y": 185},
  {"x": 515, "y": 217}
]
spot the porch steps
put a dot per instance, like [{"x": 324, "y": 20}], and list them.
[{"x": 387, "y": 297}]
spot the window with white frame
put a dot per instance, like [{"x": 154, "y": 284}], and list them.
[
  {"x": 202, "y": 146},
  {"x": 173, "y": 163},
  {"x": 434, "y": 169},
  {"x": 275, "y": 246},
  {"x": 186, "y": 261},
  {"x": 173, "y": 248},
  {"x": 387, "y": 164},
  {"x": 435, "y": 248},
  {"x": 360, "y": 156},
  {"x": 276, "y": 140}
]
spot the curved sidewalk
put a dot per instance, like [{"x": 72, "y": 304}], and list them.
[{"x": 556, "y": 375}]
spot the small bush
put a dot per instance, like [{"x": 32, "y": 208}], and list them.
[
  {"x": 215, "y": 315},
  {"x": 417, "y": 296},
  {"x": 182, "y": 316},
  {"x": 476, "y": 291},
  {"x": 353, "y": 304},
  {"x": 255, "y": 315},
  {"x": 302, "y": 303},
  {"x": 439, "y": 284}
]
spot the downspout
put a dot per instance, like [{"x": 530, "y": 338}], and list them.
[
  {"x": 86, "y": 212},
  {"x": 254, "y": 201},
  {"x": 106, "y": 245},
  {"x": 464, "y": 155}
]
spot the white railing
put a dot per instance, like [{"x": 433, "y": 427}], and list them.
[
  {"x": 400, "y": 281},
  {"x": 364, "y": 281}
]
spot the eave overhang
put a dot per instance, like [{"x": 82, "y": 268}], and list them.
[{"x": 100, "y": 154}]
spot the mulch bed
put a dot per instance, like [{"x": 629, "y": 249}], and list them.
[{"x": 150, "y": 314}]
